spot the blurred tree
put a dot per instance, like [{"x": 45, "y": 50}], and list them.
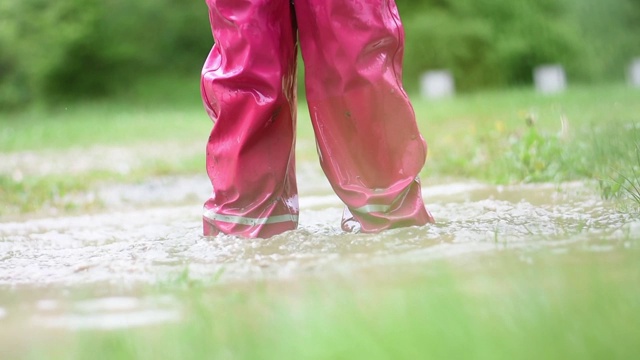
[
  {"x": 35, "y": 36},
  {"x": 75, "y": 48},
  {"x": 489, "y": 42},
  {"x": 131, "y": 39},
  {"x": 611, "y": 35}
]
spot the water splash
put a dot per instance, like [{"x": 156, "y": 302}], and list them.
[{"x": 151, "y": 244}]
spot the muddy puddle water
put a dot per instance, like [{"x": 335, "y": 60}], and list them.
[{"x": 143, "y": 241}]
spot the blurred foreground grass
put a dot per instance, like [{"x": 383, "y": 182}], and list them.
[
  {"x": 508, "y": 136},
  {"x": 505, "y": 305}
]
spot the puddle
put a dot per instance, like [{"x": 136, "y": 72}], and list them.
[
  {"x": 149, "y": 244},
  {"x": 107, "y": 321},
  {"x": 150, "y": 234},
  {"x": 110, "y": 313}
]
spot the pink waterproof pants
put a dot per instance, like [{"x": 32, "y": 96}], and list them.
[{"x": 368, "y": 141}]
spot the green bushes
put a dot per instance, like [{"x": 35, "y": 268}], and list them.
[
  {"x": 35, "y": 36},
  {"x": 610, "y": 31},
  {"x": 76, "y": 48},
  {"x": 491, "y": 43}
]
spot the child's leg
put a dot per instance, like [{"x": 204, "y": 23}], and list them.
[
  {"x": 370, "y": 146},
  {"x": 248, "y": 89}
]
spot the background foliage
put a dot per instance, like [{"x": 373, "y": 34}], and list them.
[{"x": 76, "y": 48}]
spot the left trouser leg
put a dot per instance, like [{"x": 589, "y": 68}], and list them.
[{"x": 368, "y": 140}]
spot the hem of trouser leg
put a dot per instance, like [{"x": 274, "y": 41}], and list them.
[
  {"x": 383, "y": 212},
  {"x": 209, "y": 229},
  {"x": 250, "y": 221},
  {"x": 398, "y": 224},
  {"x": 383, "y": 209},
  {"x": 247, "y": 227}
]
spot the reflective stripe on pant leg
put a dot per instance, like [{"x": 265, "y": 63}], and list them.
[
  {"x": 242, "y": 220},
  {"x": 378, "y": 208},
  {"x": 368, "y": 139},
  {"x": 406, "y": 210},
  {"x": 248, "y": 88}
]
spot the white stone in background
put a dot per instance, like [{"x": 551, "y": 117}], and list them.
[
  {"x": 634, "y": 73},
  {"x": 3, "y": 313},
  {"x": 47, "y": 305},
  {"x": 437, "y": 84},
  {"x": 550, "y": 79}
]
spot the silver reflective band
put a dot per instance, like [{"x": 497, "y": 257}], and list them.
[
  {"x": 241, "y": 220},
  {"x": 367, "y": 209},
  {"x": 372, "y": 208}
]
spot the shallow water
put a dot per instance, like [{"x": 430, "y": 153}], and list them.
[
  {"x": 108, "y": 313},
  {"x": 128, "y": 246},
  {"x": 148, "y": 239}
]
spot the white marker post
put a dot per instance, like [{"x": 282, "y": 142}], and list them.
[
  {"x": 550, "y": 79},
  {"x": 634, "y": 73},
  {"x": 437, "y": 84}
]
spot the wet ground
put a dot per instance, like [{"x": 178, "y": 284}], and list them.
[
  {"x": 153, "y": 229},
  {"x": 150, "y": 234}
]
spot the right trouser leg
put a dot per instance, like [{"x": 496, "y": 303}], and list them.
[{"x": 248, "y": 89}]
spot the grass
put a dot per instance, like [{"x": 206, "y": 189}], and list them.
[
  {"x": 571, "y": 306},
  {"x": 38, "y": 193},
  {"x": 508, "y": 136},
  {"x": 72, "y": 193},
  {"x": 476, "y": 134},
  {"x": 115, "y": 123}
]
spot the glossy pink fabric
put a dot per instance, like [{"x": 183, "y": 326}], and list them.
[{"x": 368, "y": 141}]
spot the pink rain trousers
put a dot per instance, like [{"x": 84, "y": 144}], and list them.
[{"x": 368, "y": 141}]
